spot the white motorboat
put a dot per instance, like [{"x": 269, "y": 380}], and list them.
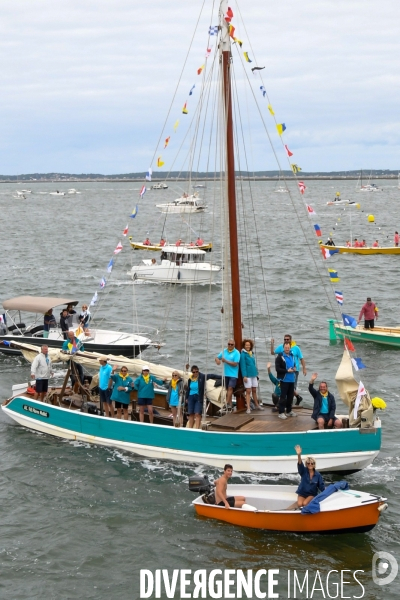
[
  {"x": 281, "y": 190},
  {"x": 20, "y": 196},
  {"x": 57, "y": 193},
  {"x": 159, "y": 186},
  {"x": 73, "y": 191},
  {"x": 99, "y": 340},
  {"x": 185, "y": 204},
  {"x": 178, "y": 265},
  {"x": 25, "y": 192}
]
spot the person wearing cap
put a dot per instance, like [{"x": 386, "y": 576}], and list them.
[
  {"x": 105, "y": 392},
  {"x": 370, "y": 313},
  {"x": 121, "y": 392},
  {"x": 144, "y": 385}
]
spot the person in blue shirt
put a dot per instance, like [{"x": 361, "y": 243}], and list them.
[
  {"x": 249, "y": 371},
  {"x": 285, "y": 366},
  {"x": 311, "y": 481},
  {"x": 276, "y": 394},
  {"x": 104, "y": 389},
  {"x": 174, "y": 395},
  {"x": 230, "y": 357},
  {"x": 324, "y": 405},
  {"x": 195, "y": 397},
  {"x": 145, "y": 389},
  {"x": 298, "y": 355},
  {"x": 121, "y": 392}
]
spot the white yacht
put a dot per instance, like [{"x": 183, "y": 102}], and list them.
[
  {"x": 185, "y": 204},
  {"x": 177, "y": 265}
]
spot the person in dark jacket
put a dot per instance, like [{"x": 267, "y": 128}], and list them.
[
  {"x": 311, "y": 481},
  {"x": 324, "y": 405},
  {"x": 64, "y": 323},
  {"x": 195, "y": 396},
  {"x": 285, "y": 366}
]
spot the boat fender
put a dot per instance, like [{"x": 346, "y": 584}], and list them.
[
  {"x": 249, "y": 507},
  {"x": 383, "y": 507},
  {"x": 179, "y": 275}
]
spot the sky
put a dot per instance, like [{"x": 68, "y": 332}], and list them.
[{"x": 86, "y": 86}]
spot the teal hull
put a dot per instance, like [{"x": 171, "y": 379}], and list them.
[{"x": 343, "y": 450}]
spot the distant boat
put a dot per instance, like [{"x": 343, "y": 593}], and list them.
[
  {"x": 159, "y": 186},
  {"x": 26, "y": 192},
  {"x": 184, "y": 204},
  {"x": 57, "y": 193},
  {"x": 364, "y": 249},
  {"x": 207, "y": 247},
  {"x": 73, "y": 191},
  {"x": 368, "y": 187}
]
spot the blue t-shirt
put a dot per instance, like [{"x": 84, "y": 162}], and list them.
[
  {"x": 295, "y": 350},
  {"x": 104, "y": 376},
  {"x": 324, "y": 406},
  {"x": 174, "y": 397},
  {"x": 234, "y": 356},
  {"x": 290, "y": 363},
  {"x": 194, "y": 387}
]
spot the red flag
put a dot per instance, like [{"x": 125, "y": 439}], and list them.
[
  {"x": 288, "y": 151},
  {"x": 118, "y": 248},
  {"x": 349, "y": 345},
  {"x": 229, "y": 15},
  {"x": 125, "y": 231},
  {"x": 310, "y": 210},
  {"x": 302, "y": 187}
]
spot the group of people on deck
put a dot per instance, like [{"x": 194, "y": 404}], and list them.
[
  {"x": 179, "y": 242},
  {"x": 67, "y": 316}
]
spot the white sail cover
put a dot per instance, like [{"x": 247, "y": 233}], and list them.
[{"x": 348, "y": 388}]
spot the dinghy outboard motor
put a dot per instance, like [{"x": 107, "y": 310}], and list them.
[{"x": 200, "y": 484}]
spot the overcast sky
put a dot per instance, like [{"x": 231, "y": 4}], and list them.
[{"x": 86, "y": 85}]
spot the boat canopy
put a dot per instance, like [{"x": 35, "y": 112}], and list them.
[{"x": 36, "y": 304}]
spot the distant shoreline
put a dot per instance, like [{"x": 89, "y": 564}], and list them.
[{"x": 198, "y": 179}]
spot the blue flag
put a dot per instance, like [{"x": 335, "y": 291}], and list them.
[
  {"x": 349, "y": 321},
  {"x": 358, "y": 364}
]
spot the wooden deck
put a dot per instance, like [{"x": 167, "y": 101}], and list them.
[{"x": 264, "y": 421}]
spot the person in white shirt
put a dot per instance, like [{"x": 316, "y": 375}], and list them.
[{"x": 41, "y": 371}]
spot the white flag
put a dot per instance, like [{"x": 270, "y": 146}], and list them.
[
  {"x": 94, "y": 299},
  {"x": 360, "y": 394}
]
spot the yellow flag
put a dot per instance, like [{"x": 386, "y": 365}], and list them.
[
  {"x": 184, "y": 109},
  {"x": 295, "y": 168},
  {"x": 281, "y": 128},
  {"x": 160, "y": 163},
  {"x": 271, "y": 110},
  {"x": 176, "y": 125}
]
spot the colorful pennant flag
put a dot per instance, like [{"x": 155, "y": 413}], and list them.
[
  {"x": 281, "y": 127},
  {"x": 246, "y": 56},
  {"x": 166, "y": 142},
  {"x": 295, "y": 168},
  {"x": 302, "y": 186},
  {"x": 360, "y": 394},
  {"x": 271, "y": 110},
  {"x": 358, "y": 364},
  {"x": 240, "y": 43},
  {"x": 288, "y": 151},
  {"x": 349, "y": 345},
  {"x": 160, "y": 163},
  {"x": 191, "y": 90},
  {"x": 149, "y": 174},
  {"x": 110, "y": 266},
  {"x": 333, "y": 276},
  {"x": 228, "y": 15},
  {"x": 184, "y": 109},
  {"x": 311, "y": 211},
  {"x": 349, "y": 321},
  {"x": 176, "y": 125},
  {"x": 264, "y": 91},
  {"x": 125, "y": 231},
  {"x": 142, "y": 192},
  {"x": 232, "y": 31},
  {"x": 213, "y": 30},
  {"x": 118, "y": 248},
  {"x": 339, "y": 297},
  {"x": 135, "y": 210},
  {"x": 94, "y": 299},
  {"x": 208, "y": 52},
  {"x": 328, "y": 253},
  {"x": 199, "y": 70},
  {"x": 318, "y": 230},
  {"x": 103, "y": 282}
]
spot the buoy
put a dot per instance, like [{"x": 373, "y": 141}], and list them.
[
  {"x": 371, "y": 218},
  {"x": 337, "y": 193}
]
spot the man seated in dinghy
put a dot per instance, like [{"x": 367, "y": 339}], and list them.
[
  {"x": 221, "y": 485},
  {"x": 324, "y": 405}
]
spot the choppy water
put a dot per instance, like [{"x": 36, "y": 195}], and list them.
[{"x": 81, "y": 521}]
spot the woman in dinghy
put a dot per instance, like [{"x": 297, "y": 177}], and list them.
[{"x": 311, "y": 481}]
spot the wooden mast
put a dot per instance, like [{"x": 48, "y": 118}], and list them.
[{"x": 230, "y": 171}]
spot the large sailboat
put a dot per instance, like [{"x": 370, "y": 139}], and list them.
[{"x": 255, "y": 442}]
